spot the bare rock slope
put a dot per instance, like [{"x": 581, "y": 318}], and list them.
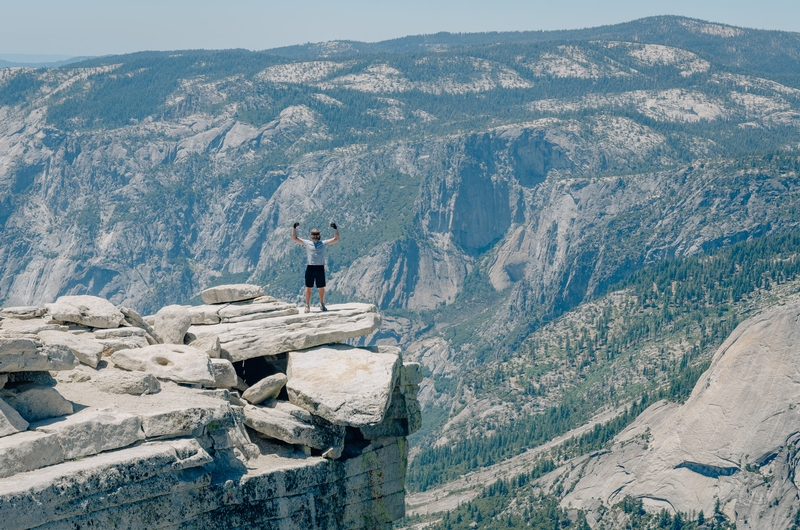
[
  {"x": 733, "y": 441},
  {"x": 160, "y": 435}
]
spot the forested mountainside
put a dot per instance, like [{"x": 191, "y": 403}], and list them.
[{"x": 499, "y": 197}]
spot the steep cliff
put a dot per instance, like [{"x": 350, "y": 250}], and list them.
[
  {"x": 729, "y": 447},
  {"x": 138, "y": 430}
]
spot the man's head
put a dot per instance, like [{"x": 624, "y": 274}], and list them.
[{"x": 315, "y": 234}]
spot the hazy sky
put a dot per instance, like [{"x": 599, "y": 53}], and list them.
[{"x": 100, "y": 27}]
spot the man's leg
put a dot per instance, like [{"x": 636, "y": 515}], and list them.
[
  {"x": 308, "y": 296},
  {"x": 321, "y": 296}
]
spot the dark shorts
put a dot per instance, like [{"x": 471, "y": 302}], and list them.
[{"x": 315, "y": 273}]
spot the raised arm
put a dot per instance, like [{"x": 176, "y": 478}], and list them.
[
  {"x": 294, "y": 234},
  {"x": 335, "y": 234}
]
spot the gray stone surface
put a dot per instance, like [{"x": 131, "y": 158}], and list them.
[
  {"x": 224, "y": 373},
  {"x": 23, "y": 354},
  {"x": 271, "y": 336},
  {"x": 231, "y": 293},
  {"x": 86, "y": 310},
  {"x": 345, "y": 385},
  {"x": 176, "y": 362},
  {"x": 36, "y": 402},
  {"x": 171, "y": 323},
  {"x": 288, "y": 423},
  {"x": 3, "y": 380},
  {"x": 728, "y": 441},
  {"x": 10, "y": 420},
  {"x": 267, "y": 388},
  {"x": 83, "y": 347},
  {"x": 122, "y": 382}
]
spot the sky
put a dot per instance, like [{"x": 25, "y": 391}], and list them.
[{"x": 67, "y": 28}]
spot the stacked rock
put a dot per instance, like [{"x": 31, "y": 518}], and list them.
[{"x": 206, "y": 406}]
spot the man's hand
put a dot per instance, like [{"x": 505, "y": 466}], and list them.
[
  {"x": 295, "y": 225},
  {"x": 333, "y": 225}
]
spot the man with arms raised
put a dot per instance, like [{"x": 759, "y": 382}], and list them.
[{"x": 315, "y": 271}]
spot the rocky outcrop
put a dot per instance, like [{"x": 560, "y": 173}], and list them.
[
  {"x": 271, "y": 335},
  {"x": 157, "y": 436},
  {"x": 732, "y": 442}
]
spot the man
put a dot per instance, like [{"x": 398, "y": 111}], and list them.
[{"x": 315, "y": 271}]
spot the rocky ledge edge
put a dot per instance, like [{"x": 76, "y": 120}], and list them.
[{"x": 240, "y": 413}]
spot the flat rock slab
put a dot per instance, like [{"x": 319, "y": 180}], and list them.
[
  {"x": 22, "y": 312},
  {"x": 345, "y": 385},
  {"x": 86, "y": 310},
  {"x": 231, "y": 293},
  {"x": 288, "y": 423},
  {"x": 174, "y": 411},
  {"x": 10, "y": 420},
  {"x": 122, "y": 382},
  {"x": 271, "y": 336},
  {"x": 29, "y": 355},
  {"x": 267, "y": 388},
  {"x": 176, "y": 362},
  {"x": 93, "y": 432},
  {"x": 85, "y": 348}
]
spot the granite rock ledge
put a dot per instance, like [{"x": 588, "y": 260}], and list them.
[{"x": 125, "y": 431}]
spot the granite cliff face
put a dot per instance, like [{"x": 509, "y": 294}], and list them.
[
  {"x": 105, "y": 423},
  {"x": 733, "y": 442}
]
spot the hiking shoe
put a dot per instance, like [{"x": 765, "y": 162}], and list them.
[
  {"x": 308, "y": 308},
  {"x": 322, "y": 307}
]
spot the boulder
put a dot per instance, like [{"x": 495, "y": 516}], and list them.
[
  {"x": 343, "y": 384},
  {"x": 135, "y": 319},
  {"x": 86, "y": 310},
  {"x": 224, "y": 374},
  {"x": 10, "y": 420},
  {"x": 176, "y": 362},
  {"x": 271, "y": 336},
  {"x": 122, "y": 382},
  {"x": 36, "y": 402},
  {"x": 22, "y": 354},
  {"x": 267, "y": 388},
  {"x": 171, "y": 323},
  {"x": 3, "y": 380},
  {"x": 22, "y": 312},
  {"x": 231, "y": 293},
  {"x": 83, "y": 347},
  {"x": 208, "y": 344},
  {"x": 288, "y": 423}
]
